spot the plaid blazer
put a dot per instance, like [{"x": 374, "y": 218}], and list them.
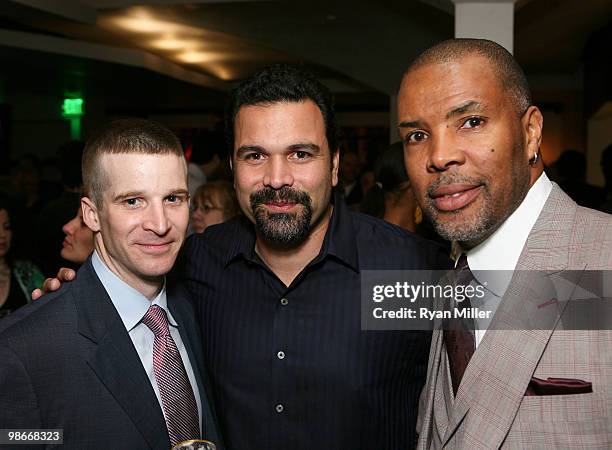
[{"x": 490, "y": 409}]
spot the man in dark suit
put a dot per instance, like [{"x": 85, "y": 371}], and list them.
[{"x": 114, "y": 359}]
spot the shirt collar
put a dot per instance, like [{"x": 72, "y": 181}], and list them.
[
  {"x": 501, "y": 250},
  {"x": 339, "y": 241},
  {"x": 129, "y": 303}
]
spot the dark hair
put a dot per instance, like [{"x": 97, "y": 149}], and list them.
[
  {"x": 606, "y": 166},
  {"x": 6, "y": 205},
  {"x": 120, "y": 137},
  {"x": 206, "y": 144},
  {"x": 572, "y": 165},
  {"x": 390, "y": 176},
  {"x": 282, "y": 83},
  {"x": 506, "y": 68}
]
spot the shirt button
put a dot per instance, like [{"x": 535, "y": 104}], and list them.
[
  {"x": 281, "y": 355},
  {"x": 284, "y": 301},
  {"x": 279, "y": 408}
]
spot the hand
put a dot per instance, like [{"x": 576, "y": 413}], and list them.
[{"x": 53, "y": 284}]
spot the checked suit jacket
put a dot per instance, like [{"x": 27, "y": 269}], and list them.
[
  {"x": 491, "y": 409},
  {"x": 67, "y": 361}
]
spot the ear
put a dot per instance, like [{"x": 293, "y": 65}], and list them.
[
  {"x": 335, "y": 165},
  {"x": 90, "y": 214},
  {"x": 533, "y": 124}
]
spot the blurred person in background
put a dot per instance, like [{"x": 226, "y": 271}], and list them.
[
  {"x": 25, "y": 198},
  {"x": 55, "y": 213},
  {"x": 17, "y": 277},
  {"x": 606, "y": 168},
  {"x": 213, "y": 203},
  {"x": 209, "y": 152},
  {"x": 391, "y": 198},
  {"x": 572, "y": 179},
  {"x": 350, "y": 171},
  {"x": 79, "y": 241}
]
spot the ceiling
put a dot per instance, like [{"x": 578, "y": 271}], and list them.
[{"x": 356, "y": 47}]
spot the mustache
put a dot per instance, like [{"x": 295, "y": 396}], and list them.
[
  {"x": 453, "y": 178},
  {"x": 282, "y": 195}
]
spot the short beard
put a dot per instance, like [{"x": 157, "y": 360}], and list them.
[
  {"x": 463, "y": 232},
  {"x": 284, "y": 230},
  {"x": 484, "y": 221}
]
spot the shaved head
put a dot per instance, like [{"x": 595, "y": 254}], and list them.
[{"x": 506, "y": 69}]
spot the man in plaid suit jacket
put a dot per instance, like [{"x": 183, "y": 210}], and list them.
[{"x": 472, "y": 138}]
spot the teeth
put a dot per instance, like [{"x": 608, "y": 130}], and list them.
[{"x": 456, "y": 194}]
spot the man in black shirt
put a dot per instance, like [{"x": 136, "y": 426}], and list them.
[{"x": 279, "y": 289}]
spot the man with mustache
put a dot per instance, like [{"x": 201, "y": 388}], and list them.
[
  {"x": 472, "y": 139},
  {"x": 279, "y": 288}
]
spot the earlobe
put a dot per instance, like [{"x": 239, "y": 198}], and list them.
[
  {"x": 533, "y": 123},
  {"x": 90, "y": 214},
  {"x": 335, "y": 165}
]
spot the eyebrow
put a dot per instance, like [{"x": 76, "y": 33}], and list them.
[
  {"x": 304, "y": 146},
  {"x": 292, "y": 147},
  {"x": 250, "y": 148},
  {"x": 132, "y": 194},
  {"x": 410, "y": 124},
  {"x": 469, "y": 106},
  {"x": 125, "y": 195}
]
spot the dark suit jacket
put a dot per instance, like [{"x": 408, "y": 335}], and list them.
[{"x": 67, "y": 361}]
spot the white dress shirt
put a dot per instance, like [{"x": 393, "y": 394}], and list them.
[
  {"x": 132, "y": 306},
  {"x": 501, "y": 250}
]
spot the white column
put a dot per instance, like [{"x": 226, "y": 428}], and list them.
[{"x": 486, "y": 19}]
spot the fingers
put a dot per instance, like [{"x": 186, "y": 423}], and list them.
[
  {"x": 53, "y": 284},
  {"x": 50, "y": 285},
  {"x": 65, "y": 274}
]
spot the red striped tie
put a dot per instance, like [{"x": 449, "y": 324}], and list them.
[
  {"x": 179, "y": 405},
  {"x": 459, "y": 335}
]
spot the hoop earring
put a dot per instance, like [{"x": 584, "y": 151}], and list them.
[{"x": 534, "y": 160}]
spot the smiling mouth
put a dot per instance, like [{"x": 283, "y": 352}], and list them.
[
  {"x": 453, "y": 197},
  {"x": 280, "y": 206},
  {"x": 155, "y": 248}
]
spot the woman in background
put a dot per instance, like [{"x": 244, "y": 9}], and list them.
[
  {"x": 18, "y": 278},
  {"x": 79, "y": 241},
  {"x": 391, "y": 198},
  {"x": 213, "y": 203}
]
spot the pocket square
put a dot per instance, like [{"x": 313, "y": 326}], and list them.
[{"x": 558, "y": 386}]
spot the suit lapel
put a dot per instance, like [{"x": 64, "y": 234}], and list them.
[
  {"x": 182, "y": 310},
  {"x": 500, "y": 370},
  {"x": 115, "y": 360}
]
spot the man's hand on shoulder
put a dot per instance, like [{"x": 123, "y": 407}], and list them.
[{"x": 53, "y": 284}]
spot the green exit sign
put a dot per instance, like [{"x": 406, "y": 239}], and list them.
[{"x": 72, "y": 107}]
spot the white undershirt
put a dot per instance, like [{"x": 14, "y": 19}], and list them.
[{"x": 501, "y": 250}]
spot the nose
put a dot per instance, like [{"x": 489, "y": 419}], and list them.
[
  {"x": 68, "y": 227},
  {"x": 445, "y": 152},
  {"x": 156, "y": 219},
  {"x": 278, "y": 172}
]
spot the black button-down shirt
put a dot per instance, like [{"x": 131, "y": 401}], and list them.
[{"x": 290, "y": 366}]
